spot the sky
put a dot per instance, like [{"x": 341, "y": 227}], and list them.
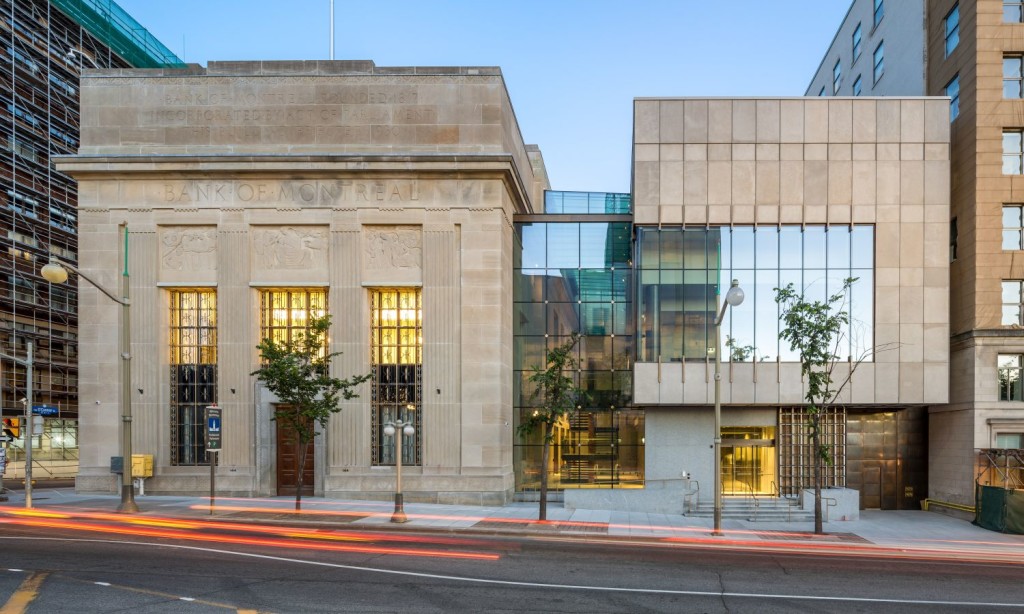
[{"x": 572, "y": 67}]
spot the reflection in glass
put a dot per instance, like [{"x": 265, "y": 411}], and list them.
[
  {"x": 586, "y": 287},
  {"x": 790, "y": 248},
  {"x": 533, "y": 251},
  {"x": 1013, "y": 227},
  {"x": 1009, "y": 366},
  {"x": 563, "y": 245},
  {"x": 677, "y": 307}
]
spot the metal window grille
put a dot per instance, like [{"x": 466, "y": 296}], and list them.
[
  {"x": 193, "y": 343},
  {"x": 796, "y": 452},
  {"x": 396, "y": 357},
  {"x": 286, "y": 312}
]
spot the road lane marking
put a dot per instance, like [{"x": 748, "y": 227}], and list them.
[
  {"x": 25, "y": 594},
  {"x": 581, "y": 587}
]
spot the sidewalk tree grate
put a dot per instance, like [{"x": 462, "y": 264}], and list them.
[
  {"x": 827, "y": 537},
  {"x": 498, "y": 524}
]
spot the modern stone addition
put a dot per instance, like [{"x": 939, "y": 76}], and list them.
[
  {"x": 338, "y": 175},
  {"x": 710, "y": 162},
  {"x": 801, "y": 161}
]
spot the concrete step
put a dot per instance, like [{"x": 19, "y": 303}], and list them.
[
  {"x": 768, "y": 509},
  {"x": 533, "y": 496}
]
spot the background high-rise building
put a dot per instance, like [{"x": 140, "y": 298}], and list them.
[
  {"x": 45, "y": 46},
  {"x": 972, "y": 53}
]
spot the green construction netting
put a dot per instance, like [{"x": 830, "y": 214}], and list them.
[
  {"x": 999, "y": 509},
  {"x": 115, "y": 28}
]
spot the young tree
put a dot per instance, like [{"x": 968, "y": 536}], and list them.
[
  {"x": 815, "y": 330},
  {"x": 559, "y": 396},
  {"x": 298, "y": 372}
]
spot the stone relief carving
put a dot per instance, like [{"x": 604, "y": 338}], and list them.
[
  {"x": 393, "y": 247},
  {"x": 188, "y": 248},
  {"x": 290, "y": 248}
]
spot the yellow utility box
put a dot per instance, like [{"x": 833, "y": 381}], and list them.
[{"x": 142, "y": 465}]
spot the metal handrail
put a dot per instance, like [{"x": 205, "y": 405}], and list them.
[
  {"x": 688, "y": 496},
  {"x": 830, "y": 502},
  {"x": 757, "y": 504}
]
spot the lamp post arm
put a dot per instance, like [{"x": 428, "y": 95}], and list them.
[
  {"x": 21, "y": 361},
  {"x": 120, "y": 301}
]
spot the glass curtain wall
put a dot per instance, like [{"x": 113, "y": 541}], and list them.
[
  {"x": 681, "y": 269},
  {"x": 577, "y": 276}
]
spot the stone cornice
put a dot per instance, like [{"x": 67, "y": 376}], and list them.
[{"x": 301, "y": 166}]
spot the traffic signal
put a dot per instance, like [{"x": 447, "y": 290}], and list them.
[{"x": 12, "y": 427}]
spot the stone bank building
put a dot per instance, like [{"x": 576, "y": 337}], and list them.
[{"x": 404, "y": 202}]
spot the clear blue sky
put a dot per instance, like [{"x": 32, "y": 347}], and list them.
[{"x": 572, "y": 67}]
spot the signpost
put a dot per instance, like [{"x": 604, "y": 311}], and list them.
[
  {"x": 3, "y": 467},
  {"x": 213, "y": 441}
]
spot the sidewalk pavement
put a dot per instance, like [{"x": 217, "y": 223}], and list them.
[{"x": 910, "y": 531}]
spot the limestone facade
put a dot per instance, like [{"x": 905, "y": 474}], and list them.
[
  {"x": 338, "y": 175},
  {"x": 811, "y": 161}
]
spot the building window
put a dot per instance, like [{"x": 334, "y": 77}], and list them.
[
  {"x": 879, "y": 62},
  {"x": 1012, "y": 152},
  {"x": 396, "y": 360},
  {"x": 879, "y": 11},
  {"x": 837, "y": 73},
  {"x": 856, "y": 43},
  {"x": 285, "y": 312},
  {"x": 680, "y": 269},
  {"x": 1013, "y": 11},
  {"x": 1013, "y": 227},
  {"x": 857, "y": 86},
  {"x": 953, "y": 91},
  {"x": 1009, "y": 377},
  {"x": 1013, "y": 76},
  {"x": 193, "y": 343},
  {"x": 1010, "y": 441},
  {"x": 952, "y": 22},
  {"x": 953, "y": 236},
  {"x": 822, "y": 92},
  {"x": 1012, "y": 303}
]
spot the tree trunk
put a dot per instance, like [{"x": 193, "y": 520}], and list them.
[
  {"x": 816, "y": 447},
  {"x": 300, "y": 452},
  {"x": 546, "y": 451}
]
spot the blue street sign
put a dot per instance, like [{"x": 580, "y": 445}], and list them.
[
  {"x": 213, "y": 423},
  {"x": 45, "y": 410}
]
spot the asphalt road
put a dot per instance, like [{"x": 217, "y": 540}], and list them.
[{"x": 102, "y": 564}]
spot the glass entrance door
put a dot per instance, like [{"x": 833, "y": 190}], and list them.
[{"x": 748, "y": 460}]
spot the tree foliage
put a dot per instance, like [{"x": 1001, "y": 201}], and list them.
[
  {"x": 815, "y": 330},
  {"x": 297, "y": 371},
  {"x": 556, "y": 395}
]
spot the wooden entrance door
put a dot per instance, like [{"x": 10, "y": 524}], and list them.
[{"x": 288, "y": 463}]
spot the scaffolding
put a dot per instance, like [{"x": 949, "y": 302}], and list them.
[
  {"x": 1001, "y": 467},
  {"x": 43, "y": 48}
]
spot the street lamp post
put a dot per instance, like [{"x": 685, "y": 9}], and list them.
[
  {"x": 396, "y": 428},
  {"x": 57, "y": 272},
  {"x": 26, "y": 434},
  {"x": 732, "y": 298}
]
